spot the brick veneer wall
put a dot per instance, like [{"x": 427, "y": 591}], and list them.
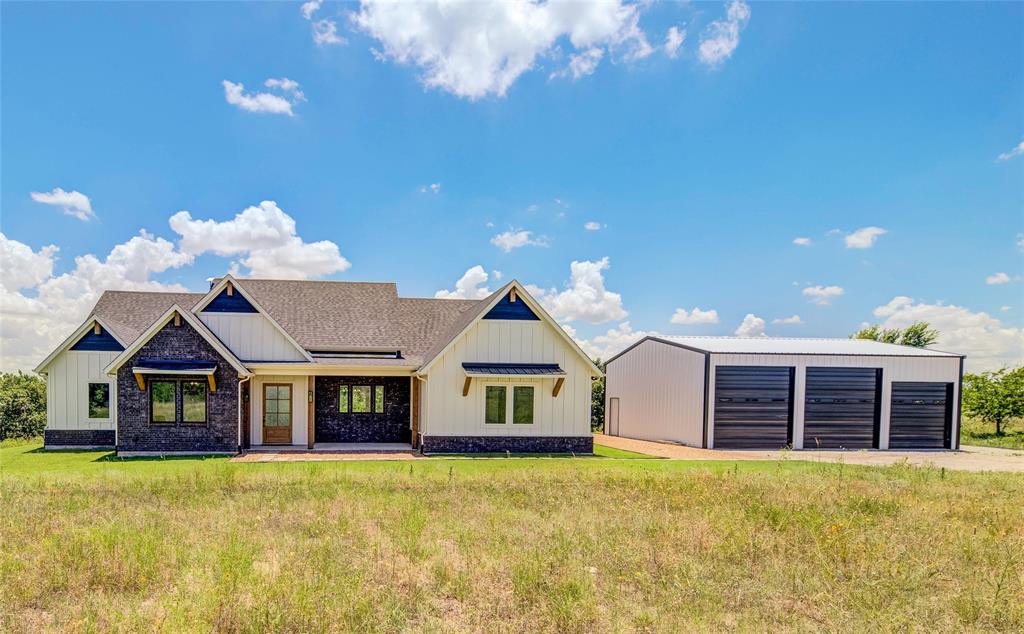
[
  {"x": 78, "y": 438},
  {"x": 514, "y": 444},
  {"x": 334, "y": 426},
  {"x": 134, "y": 430}
]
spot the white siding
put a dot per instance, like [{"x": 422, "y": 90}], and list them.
[
  {"x": 67, "y": 395},
  {"x": 446, "y": 412},
  {"x": 299, "y": 407},
  {"x": 661, "y": 393},
  {"x": 251, "y": 336},
  {"x": 937, "y": 369}
]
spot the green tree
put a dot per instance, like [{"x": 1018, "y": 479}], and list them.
[
  {"x": 995, "y": 397},
  {"x": 597, "y": 400},
  {"x": 22, "y": 405},
  {"x": 917, "y": 334}
]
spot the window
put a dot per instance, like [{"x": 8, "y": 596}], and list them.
[
  {"x": 522, "y": 405},
  {"x": 494, "y": 409},
  {"x": 360, "y": 399},
  {"x": 162, "y": 401},
  {"x": 343, "y": 399},
  {"x": 99, "y": 400},
  {"x": 378, "y": 399},
  {"x": 193, "y": 401}
]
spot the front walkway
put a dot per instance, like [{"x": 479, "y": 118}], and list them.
[
  {"x": 967, "y": 459},
  {"x": 329, "y": 451}
]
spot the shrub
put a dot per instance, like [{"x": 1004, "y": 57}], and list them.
[{"x": 22, "y": 405}]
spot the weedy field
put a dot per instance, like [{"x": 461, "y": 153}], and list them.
[
  {"x": 498, "y": 545},
  {"x": 976, "y": 432}
]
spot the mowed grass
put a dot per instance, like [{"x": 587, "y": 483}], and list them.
[
  {"x": 555, "y": 545},
  {"x": 976, "y": 432}
]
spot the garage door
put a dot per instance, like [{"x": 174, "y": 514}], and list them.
[
  {"x": 753, "y": 407},
  {"x": 841, "y": 408},
  {"x": 921, "y": 415}
]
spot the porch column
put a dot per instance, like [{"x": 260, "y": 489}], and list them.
[{"x": 310, "y": 430}]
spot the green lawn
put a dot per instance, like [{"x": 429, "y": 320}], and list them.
[
  {"x": 90, "y": 543},
  {"x": 975, "y": 432}
]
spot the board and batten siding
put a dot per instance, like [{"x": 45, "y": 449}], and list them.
[
  {"x": 67, "y": 392},
  {"x": 299, "y": 407},
  {"x": 251, "y": 336},
  {"x": 661, "y": 393},
  {"x": 909, "y": 368},
  {"x": 446, "y": 412}
]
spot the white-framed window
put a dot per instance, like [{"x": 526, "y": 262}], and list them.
[
  {"x": 97, "y": 400},
  {"x": 509, "y": 403}
]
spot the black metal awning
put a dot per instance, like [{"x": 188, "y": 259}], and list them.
[{"x": 513, "y": 369}]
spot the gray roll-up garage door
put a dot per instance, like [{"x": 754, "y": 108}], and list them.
[
  {"x": 753, "y": 407},
  {"x": 921, "y": 416},
  {"x": 841, "y": 408}
]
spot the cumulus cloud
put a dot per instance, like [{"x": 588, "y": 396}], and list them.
[
  {"x": 987, "y": 342},
  {"x": 581, "y": 64},
  {"x": 325, "y": 33},
  {"x": 613, "y": 341},
  {"x": 822, "y": 295},
  {"x": 802, "y": 242},
  {"x": 469, "y": 286},
  {"x": 517, "y": 238},
  {"x": 695, "y": 316},
  {"x": 998, "y": 278},
  {"x": 479, "y": 49},
  {"x": 1016, "y": 151},
  {"x": 265, "y": 237},
  {"x": 752, "y": 326},
  {"x": 309, "y": 8},
  {"x": 73, "y": 203},
  {"x": 592, "y": 226},
  {"x": 863, "y": 238},
  {"x": 720, "y": 39},
  {"x": 673, "y": 40},
  {"x": 795, "y": 319},
  {"x": 265, "y": 102},
  {"x": 584, "y": 297}
]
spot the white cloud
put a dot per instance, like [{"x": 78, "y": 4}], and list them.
[
  {"x": 986, "y": 341},
  {"x": 516, "y": 238},
  {"x": 21, "y": 267},
  {"x": 721, "y": 37},
  {"x": 795, "y": 319},
  {"x": 325, "y": 33},
  {"x": 1005, "y": 309},
  {"x": 265, "y": 237},
  {"x": 263, "y": 102},
  {"x": 469, "y": 286},
  {"x": 1020, "y": 241},
  {"x": 479, "y": 49},
  {"x": 433, "y": 188},
  {"x": 822, "y": 295},
  {"x": 592, "y": 226},
  {"x": 614, "y": 341},
  {"x": 998, "y": 278},
  {"x": 1016, "y": 151},
  {"x": 309, "y": 8},
  {"x": 673, "y": 40},
  {"x": 752, "y": 326},
  {"x": 497, "y": 275},
  {"x": 584, "y": 298},
  {"x": 802, "y": 242},
  {"x": 863, "y": 238},
  {"x": 74, "y": 203},
  {"x": 581, "y": 64},
  {"x": 286, "y": 85},
  {"x": 696, "y": 316}
]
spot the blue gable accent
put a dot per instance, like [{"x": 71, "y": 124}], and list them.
[
  {"x": 517, "y": 310},
  {"x": 95, "y": 343},
  {"x": 224, "y": 303}
]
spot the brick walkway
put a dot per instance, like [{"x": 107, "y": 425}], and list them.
[{"x": 315, "y": 456}]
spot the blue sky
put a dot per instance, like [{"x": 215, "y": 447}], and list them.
[{"x": 699, "y": 162}]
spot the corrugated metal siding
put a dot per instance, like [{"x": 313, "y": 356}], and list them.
[
  {"x": 921, "y": 415},
  {"x": 661, "y": 393},
  {"x": 251, "y": 337},
  {"x": 841, "y": 408},
  {"x": 753, "y": 406},
  {"x": 67, "y": 379}
]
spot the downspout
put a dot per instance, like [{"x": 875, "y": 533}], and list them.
[{"x": 240, "y": 382}]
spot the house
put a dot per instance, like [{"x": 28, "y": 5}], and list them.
[
  {"x": 257, "y": 362},
  {"x": 768, "y": 393}
]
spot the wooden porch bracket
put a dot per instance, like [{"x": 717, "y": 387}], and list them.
[
  {"x": 96, "y": 330},
  {"x": 177, "y": 320},
  {"x": 230, "y": 289},
  {"x": 141, "y": 381},
  {"x": 558, "y": 387},
  {"x": 212, "y": 382},
  {"x": 512, "y": 295},
  {"x": 465, "y": 386}
]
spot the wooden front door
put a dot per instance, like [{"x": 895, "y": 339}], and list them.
[{"x": 277, "y": 413}]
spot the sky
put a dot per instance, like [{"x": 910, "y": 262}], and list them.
[{"x": 780, "y": 169}]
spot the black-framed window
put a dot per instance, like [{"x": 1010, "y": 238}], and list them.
[
  {"x": 494, "y": 408},
  {"x": 99, "y": 400},
  {"x": 378, "y": 399},
  {"x": 163, "y": 402},
  {"x": 360, "y": 399},
  {"x": 193, "y": 402},
  {"x": 343, "y": 397},
  {"x": 522, "y": 405}
]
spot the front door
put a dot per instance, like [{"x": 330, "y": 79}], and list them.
[{"x": 277, "y": 414}]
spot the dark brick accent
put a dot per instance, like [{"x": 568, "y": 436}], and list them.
[
  {"x": 136, "y": 433},
  {"x": 514, "y": 444},
  {"x": 78, "y": 437},
  {"x": 330, "y": 425}
]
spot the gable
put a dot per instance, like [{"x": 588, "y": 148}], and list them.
[
  {"x": 514, "y": 310},
  {"x": 103, "y": 342},
  {"x": 224, "y": 303}
]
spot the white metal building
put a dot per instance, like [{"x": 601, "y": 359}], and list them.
[{"x": 767, "y": 393}]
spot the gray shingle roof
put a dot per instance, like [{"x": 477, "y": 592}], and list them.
[{"x": 130, "y": 313}]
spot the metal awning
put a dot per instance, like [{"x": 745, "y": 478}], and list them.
[
  {"x": 513, "y": 369},
  {"x": 185, "y": 367}
]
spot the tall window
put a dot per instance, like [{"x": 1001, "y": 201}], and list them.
[
  {"x": 494, "y": 408},
  {"x": 193, "y": 401},
  {"x": 522, "y": 405},
  {"x": 162, "y": 401},
  {"x": 378, "y": 399},
  {"x": 277, "y": 406},
  {"x": 99, "y": 400},
  {"x": 360, "y": 399},
  {"x": 343, "y": 399}
]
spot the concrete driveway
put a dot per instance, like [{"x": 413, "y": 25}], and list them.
[{"x": 967, "y": 459}]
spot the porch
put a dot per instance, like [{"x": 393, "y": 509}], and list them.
[
  {"x": 335, "y": 447},
  {"x": 329, "y": 451}
]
